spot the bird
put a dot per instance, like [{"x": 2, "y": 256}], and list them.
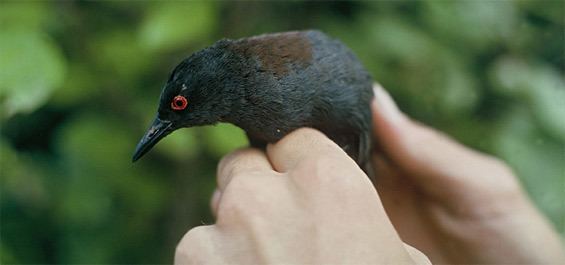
[{"x": 269, "y": 85}]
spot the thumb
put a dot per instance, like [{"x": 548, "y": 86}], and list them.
[{"x": 433, "y": 161}]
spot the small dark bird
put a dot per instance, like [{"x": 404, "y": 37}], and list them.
[{"x": 270, "y": 85}]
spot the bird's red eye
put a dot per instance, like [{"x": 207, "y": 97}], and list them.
[{"x": 179, "y": 103}]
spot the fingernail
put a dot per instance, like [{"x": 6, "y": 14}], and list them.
[{"x": 386, "y": 106}]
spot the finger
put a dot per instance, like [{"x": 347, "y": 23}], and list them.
[
  {"x": 197, "y": 247},
  {"x": 387, "y": 178},
  {"x": 302, "y": 144},
  {"x": 248, "y": 159},
  {"x": 429, "y": 156}
]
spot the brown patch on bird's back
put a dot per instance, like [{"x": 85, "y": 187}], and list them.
[{"x": 276, "y": 52}]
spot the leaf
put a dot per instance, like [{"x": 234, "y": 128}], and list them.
[
  {"x": 224, "y": 138},
  {"x": 434, "y": 78},
  {"x": 23, "y": 14},
  {"x": 510, "y": 76},
  {"x": 21, "y": 179},
  {"x": 104, "y": 194},
  {"x": 474, "y": 24},
  {"x": 537, "y": 159},
  {"x": 180, "y": 145},
  {"x": 31, "y": 68},
  {"x": 460, "y": 92},
  {"x": 548, "y": 102},
  {"x": 173, "y": 25},
  {"x": 539, "y": 85},
  {"x": 119, "y": 52}
]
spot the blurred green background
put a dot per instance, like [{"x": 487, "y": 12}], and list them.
[{"x": 79, "y": 84}]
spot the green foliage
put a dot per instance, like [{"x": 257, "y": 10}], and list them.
[
  {"x": 223, "y": 138},
  {"x": 525, "y": 146},
  {"x": 539, "y": 86},
  {"x": 79, "y": 84},
  {"x": 175, "y": 24},
  {"x": 32, "y": 65}
]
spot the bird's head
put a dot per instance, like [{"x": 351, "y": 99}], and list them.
[{"x": 197, "y": 93}]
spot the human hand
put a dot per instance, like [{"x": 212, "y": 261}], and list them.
[
  {"x": 454, "y": 204},
  {"x": 304, "y": 201}
]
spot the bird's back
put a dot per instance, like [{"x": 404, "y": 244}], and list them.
[{"x": 304, "y": 79}]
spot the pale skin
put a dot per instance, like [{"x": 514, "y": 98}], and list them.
[{"x": 304, "y": 201}]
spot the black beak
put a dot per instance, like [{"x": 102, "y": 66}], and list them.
[{"x": 156, "y": 132}]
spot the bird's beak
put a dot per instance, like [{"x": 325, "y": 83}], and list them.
[{"x": 158, "y": 130}]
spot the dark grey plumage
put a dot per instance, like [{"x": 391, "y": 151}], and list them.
[{"x": 270, "y": 85}]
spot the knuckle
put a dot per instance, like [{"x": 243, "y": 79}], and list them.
[
  {"x": 236, "y": 157},
  {"x": 235, "y": 213},
  {"x": 241, "y": 181},
  {"x": 241, "y": 164},
  {"x": 190, "y": 246},
  {"x": 194, "y": 234},
  {"x": 228, "y": 160},
  {"x": 228, "y": 211},
  {"x": 246, "y": 198},
  {"x": 242, "y": 171},
  {"x": 301, "y": 137},
  {"x": 247, "y": 183},
  {"x": 237, "y": 199}
]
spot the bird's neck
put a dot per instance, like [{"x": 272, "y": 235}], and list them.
[{"x": 239, "y": 84}]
